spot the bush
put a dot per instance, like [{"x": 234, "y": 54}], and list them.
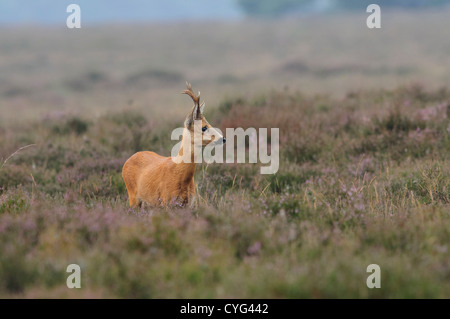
[
  {"x": 68, "y": 125},
  {"x": 267, "y": 8},
  {"x": 14, "y": 202},
  {"x": 362, "y": 4}
]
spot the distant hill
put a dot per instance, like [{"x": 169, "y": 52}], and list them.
[
  {"x": 53, "y": 12},
  {"x": 101, "y": 11}
]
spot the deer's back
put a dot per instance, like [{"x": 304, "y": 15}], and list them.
[
  {"x": 142, "y": 162},
  {"x": 152, "y": 178}
]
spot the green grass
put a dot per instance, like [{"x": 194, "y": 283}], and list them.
[
  {"x": 364, "y": 172},
  {"x": 375, "y": 190}
]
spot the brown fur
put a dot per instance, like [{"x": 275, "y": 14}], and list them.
[{"x": 161, "y": 181}]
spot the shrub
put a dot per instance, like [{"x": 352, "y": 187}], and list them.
[
  {"x": 70, "y": 125},
  {"x": 14, "y": 202}
]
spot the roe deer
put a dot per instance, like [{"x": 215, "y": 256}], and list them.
[{"x": 161, "y": 181}]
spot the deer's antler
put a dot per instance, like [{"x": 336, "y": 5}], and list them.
[
  {"x": 198, "y": 109},
  {"x": 189, "y": 92}
]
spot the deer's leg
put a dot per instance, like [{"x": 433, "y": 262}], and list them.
[
  {"x": 131, "y": 195},
  {"x": 129, "y": 177},
  {"x": 134, "y": 202},
  {"x": 191, "y": 196}
]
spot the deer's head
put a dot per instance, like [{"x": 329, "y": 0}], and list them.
[{"x": 196, "y": 121}]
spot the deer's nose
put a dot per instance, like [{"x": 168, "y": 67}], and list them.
[{"x": 224, "y": 140}]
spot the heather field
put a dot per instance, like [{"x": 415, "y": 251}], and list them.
[{"x": 364, "y": 174}]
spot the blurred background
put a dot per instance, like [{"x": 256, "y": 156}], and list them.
[
  {"x": 364, "y": 172},
  {"x": 138, "y": 54}
]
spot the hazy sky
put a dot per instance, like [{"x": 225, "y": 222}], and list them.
[{"x": 100, "y": 11}]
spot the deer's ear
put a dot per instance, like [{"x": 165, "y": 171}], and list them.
[
  {"x": 188, "y": 122},
  {"x": 195, "y": 113},
  {"x": 202, "y": 107},
  {"x": 189, "y": 119}
]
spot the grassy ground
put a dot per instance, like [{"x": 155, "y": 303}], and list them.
[
  {"x": 365, "y": 179},
  {"x": 364, "y": 172}
]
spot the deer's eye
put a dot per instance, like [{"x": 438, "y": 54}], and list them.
[{"x": 204, "y": 128}]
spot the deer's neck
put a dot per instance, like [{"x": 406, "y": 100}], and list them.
[{"x": 185, "y": 160}]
